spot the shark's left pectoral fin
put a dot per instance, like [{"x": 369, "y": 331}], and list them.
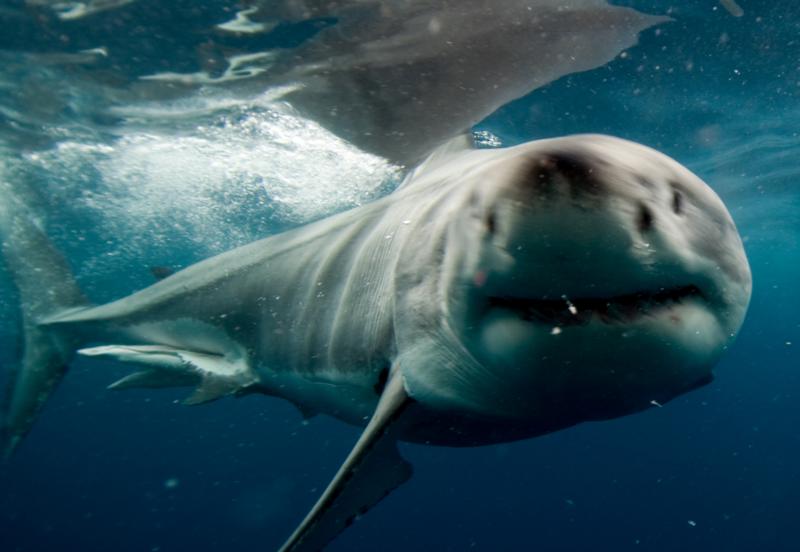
[{"x": 372, "y": 470}]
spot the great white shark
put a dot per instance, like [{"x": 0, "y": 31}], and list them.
[{"x": 497, "y": 294}]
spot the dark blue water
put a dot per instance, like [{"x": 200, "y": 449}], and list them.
[{"x": 195, "y": 172}]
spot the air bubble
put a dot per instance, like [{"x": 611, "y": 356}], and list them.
[{"x": 171, "y": 483}]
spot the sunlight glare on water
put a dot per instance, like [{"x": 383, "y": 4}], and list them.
[{"x": 241, "y": 164}]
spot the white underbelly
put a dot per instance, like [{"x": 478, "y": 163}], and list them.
[{"x": 351, "y": 398}]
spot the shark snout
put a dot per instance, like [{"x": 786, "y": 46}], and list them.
[
  {"x": 578, "y": 180},
  {"x": 594, "y": 217},
  {"x": 589, "y": 198}
]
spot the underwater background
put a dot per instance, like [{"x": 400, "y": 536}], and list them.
[{"x": 163, "y": 177}]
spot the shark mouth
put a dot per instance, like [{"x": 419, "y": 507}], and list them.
[{"x": 608, "y": 310}]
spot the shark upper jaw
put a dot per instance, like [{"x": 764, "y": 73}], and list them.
[
  {"x": 628, "y": 308},
  {"x": 597, "y": 355}
]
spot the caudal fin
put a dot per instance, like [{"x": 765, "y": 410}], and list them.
[{"x": 46, "y": 286}]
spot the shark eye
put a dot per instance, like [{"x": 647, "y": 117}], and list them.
[
  {"x": 645, "y": 219},
  {"x": 491, "y": 222},
  {"x": 677, "y": 202}
]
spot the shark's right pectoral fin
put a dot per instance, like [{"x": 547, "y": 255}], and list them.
[
  {"x": 213, "y": 375},
  {"x": 372, "y": 470}
]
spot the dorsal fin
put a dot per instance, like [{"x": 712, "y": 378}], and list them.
[
  {"x": 461, "y": 143},
  {"x": 441, "y": 155}
]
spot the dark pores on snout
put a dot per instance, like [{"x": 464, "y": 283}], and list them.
[
  {"x": 554, "y": 175},
  {"x": 582, "y": 179}
]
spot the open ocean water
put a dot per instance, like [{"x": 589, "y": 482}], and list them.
[{"x": 156, "y": 138}]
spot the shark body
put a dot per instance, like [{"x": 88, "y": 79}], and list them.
[{"x": 496, "y": 295}]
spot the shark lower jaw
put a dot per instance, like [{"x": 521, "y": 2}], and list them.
[{"x": 623, "y": 309}]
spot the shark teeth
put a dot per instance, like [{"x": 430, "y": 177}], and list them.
[{"x": 608, "y": 310}]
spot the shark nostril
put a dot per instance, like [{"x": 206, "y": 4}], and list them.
[
  {"x": 677, "y": 202},
  {"x": 644, "y": 221}
]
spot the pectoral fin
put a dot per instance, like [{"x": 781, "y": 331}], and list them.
[{"x": 373, "y": 469}]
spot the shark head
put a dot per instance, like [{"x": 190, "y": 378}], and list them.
[{"x": 586, "y": 278}]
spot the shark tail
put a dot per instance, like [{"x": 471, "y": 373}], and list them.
[{"x": 46, "y": 286}]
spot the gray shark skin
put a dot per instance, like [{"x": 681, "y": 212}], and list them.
[
  {"x": 495, "y": 295},
  {"x": 399, "y": 78}
]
